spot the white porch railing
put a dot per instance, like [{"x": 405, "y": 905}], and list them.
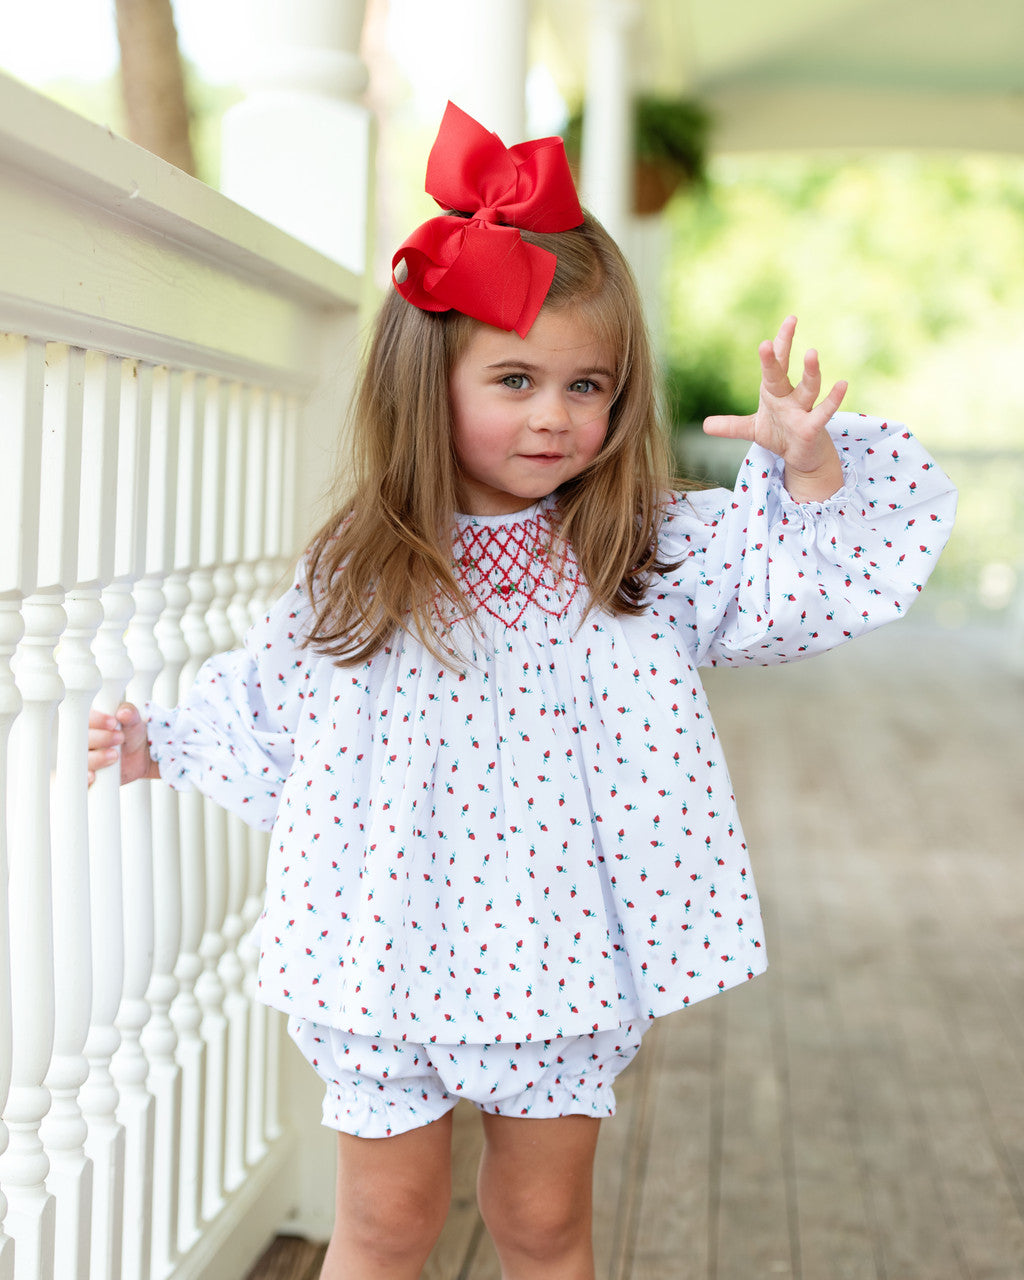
[{"x": 172, "y": 375}]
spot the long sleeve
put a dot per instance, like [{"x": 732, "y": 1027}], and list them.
[
  {"x": 763, "y": 578},
  {"x": 233, "y": 736}
]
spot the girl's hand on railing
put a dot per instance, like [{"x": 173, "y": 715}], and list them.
[{"x": 125, "y": 730}]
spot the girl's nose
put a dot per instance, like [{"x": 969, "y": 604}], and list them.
[{"x": 549, "y": 413}]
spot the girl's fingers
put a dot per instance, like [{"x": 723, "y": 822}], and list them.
[
  {"x": 810, "y": 383},
  {"x": 773, "y": 373},
  {"x": 125, "y": 714},
  {"x": 834, "y": 398},
  {"x": 730, "y": 426},
  {"x": 110, "y": 735},
  {"x": 783, "y": 343}
]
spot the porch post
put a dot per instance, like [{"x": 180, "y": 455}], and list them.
[
  {"x": 297, "y": 149},
  {"x": 607, "y": 145},
  {"x": 486, "y": 58}
]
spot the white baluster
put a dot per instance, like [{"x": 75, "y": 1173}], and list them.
[
  {"x": 11, "y": 629},
  {"x": 186, "y": 1012},
  {"x": 106, "y": 1144},
  {"x": 99, "y": 1096},
  {"x": 24, "y": 1166},
  {"x": 160, "y": 1038},
  {"x": 291, "y": 537},
  {"x": 64, "y": 1130},
  {"x": 31, "y": 1214},
  {"x": 279, "y": 463},
  {"x": 137, "y": 1109},
  {"x": 219, "y": 585},
  {"x": 137, "y": 1105},
  {"x": 151, "y": 1142}
]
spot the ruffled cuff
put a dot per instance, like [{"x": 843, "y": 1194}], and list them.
[
  {"x": 178, "y": 742},
  {"x": 792, "y": 509},
  {"x": 765, "y": 578},
  {"x": 192, "y": 754}
]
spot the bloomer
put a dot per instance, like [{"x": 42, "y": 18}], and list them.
[{"x": 377, "y": 1088}]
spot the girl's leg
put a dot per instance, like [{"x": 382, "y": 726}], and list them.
[
  {"x": 535, "y": 1193},
  {"x": 393, "y": 1196}
]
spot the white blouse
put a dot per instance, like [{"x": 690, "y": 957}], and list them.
[{"x": 544, "y": 842}]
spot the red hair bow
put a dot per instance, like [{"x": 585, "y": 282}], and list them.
[{"x": 480, "y": 265}]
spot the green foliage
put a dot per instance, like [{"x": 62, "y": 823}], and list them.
[
  {"x": 698, "y": 384},
  {"x": 673, "y": 130},
  {"x": 907, "y": 272},
  {"x": 665, "y": 130}
]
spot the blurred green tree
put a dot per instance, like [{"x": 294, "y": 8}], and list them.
[{"x": 907, "y": 272}]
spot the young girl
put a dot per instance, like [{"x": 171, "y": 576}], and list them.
[{"x": 504, "y": 838}]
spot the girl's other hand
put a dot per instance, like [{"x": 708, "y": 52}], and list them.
[
  {"x": 789, "y": 423},
  {"x": 126, "y": 730}
]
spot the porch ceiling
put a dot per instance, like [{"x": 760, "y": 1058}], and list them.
[{"x": 826, "y": 73}]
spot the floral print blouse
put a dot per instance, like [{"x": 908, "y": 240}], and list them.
[{"x": 543, "y": 842}]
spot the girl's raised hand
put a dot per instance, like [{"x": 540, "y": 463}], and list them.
[
  {"x": 126, "y": 730},
  {"x": 788, "y": 422}
]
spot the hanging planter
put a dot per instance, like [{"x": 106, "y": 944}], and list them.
[
  {"x": 669, "y": 147},
  {"x": 670, "y": 139},
  {"x": 654, "y": 185}
]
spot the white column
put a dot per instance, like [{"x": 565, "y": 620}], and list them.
[
  {"x": 297, "y": 149},
  {"x": 485, "y": 51},
  {"x": 607, "y": 159}
]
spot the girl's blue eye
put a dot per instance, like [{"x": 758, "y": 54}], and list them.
[
  {"x": 584, "y": 384},
  {"x": 515, "y": 381}
]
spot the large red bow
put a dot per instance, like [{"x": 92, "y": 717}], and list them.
[{"x": 480, "y": 265}]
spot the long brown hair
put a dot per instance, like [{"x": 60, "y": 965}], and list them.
[{"x": 380, "y": 561}]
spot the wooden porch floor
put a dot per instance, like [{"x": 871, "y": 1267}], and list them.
[{"x": 858, "y": 1113}]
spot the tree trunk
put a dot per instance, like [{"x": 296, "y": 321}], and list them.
[{"x": 152, "y": 80}]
